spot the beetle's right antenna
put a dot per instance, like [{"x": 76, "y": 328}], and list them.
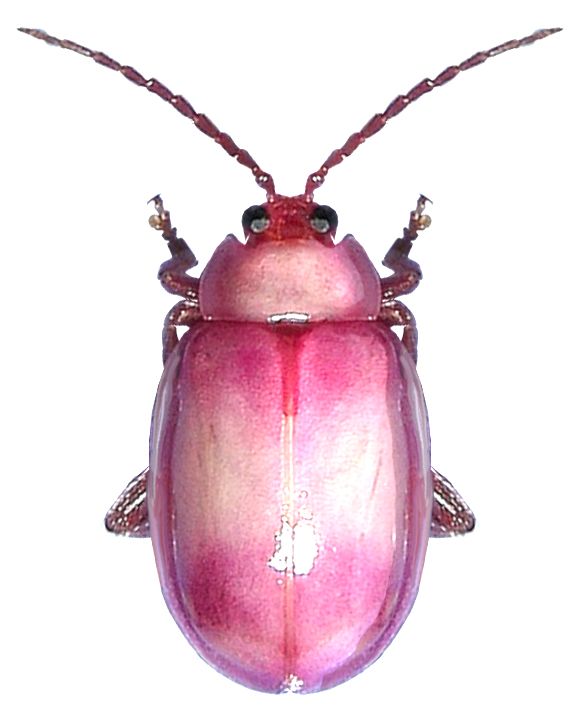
[
  {"x": 378, "y": 121},
  {"x": 201, "y": 121}
]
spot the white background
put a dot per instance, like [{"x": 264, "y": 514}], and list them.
[{"x": 85, "y": 634}]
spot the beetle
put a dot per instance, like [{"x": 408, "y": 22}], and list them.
[{"x": 290, "y": 494}]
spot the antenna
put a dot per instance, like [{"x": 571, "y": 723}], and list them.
[
  {"x": 375, "y": 124},
  {"x": 201, "y": 121}
]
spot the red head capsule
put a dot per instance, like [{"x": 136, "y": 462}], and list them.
[{"x": 290, "y": 494}]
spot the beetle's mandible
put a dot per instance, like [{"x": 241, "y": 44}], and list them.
[{"x": 290, "y": 494}]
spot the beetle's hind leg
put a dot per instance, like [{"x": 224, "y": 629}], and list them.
[
  {"x": 450, "y": 514},
  {"x": 129, "y": 514}
]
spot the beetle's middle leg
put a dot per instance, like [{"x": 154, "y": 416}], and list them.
[
  {"x": 184, "y": 313},
  {"x": 396, "y": 314}
]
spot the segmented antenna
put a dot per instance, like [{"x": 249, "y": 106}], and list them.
[
  {"x": 378, "y": 121},
  {"x": 263, "y": 179},
  {"x": 201, "y": 121}
]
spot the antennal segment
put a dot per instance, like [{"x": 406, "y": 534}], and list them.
[
  {"x": 201, "y": 121},
  {"x": 378, "y": 121}
]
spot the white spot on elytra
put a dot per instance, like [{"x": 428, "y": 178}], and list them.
[
  {"x": 296, "y": 547},
  {"x": 292, "y": 684}
]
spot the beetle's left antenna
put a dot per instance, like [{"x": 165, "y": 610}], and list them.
[{"x": 201, "y": 121}]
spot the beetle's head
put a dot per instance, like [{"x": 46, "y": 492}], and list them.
[{"x": 289, "y": 218}]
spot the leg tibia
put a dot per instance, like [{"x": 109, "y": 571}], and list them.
[
  {"x": 129, "y": 514},
  {"x": 451, "y": 514}
]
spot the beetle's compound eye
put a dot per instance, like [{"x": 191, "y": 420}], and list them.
[
  {"x": 324, "y": 219},
  {"x": 255, "y": 219}
]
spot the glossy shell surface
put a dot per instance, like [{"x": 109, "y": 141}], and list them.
[{"x": 290, "y": 497}]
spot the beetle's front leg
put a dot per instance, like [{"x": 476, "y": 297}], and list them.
[
  {"x": 407, "y": 273},
  {"x": 172, "y": 273},
  {"x": 405, "y": 278}
]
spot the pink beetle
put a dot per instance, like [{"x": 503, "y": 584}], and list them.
[{"x": 290, "y": 494}]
